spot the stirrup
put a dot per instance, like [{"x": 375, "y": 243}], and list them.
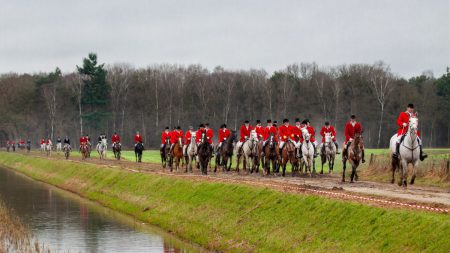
[{"x": 423, "y": 156}]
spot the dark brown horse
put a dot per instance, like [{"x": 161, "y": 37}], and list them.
[
  {"x": 271, "y": 153},
  {"x": 204, "y": 154},
  {"x": 165, "y": 153},
  {"x": 84, "y": 149},
  {"x": 288, "y": 155},
  {"x": 176, "y": 155},
  {"x": 355, "y": 153},
  {"x": 225, "y": 153}
]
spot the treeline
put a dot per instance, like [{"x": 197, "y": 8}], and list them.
[{"x": 102, "y": 99}]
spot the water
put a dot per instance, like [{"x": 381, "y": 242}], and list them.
[{"x": 67, "y": 223}]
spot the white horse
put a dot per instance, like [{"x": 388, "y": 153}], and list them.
[
  {"x": 43, "y": 147},
  {"x": 409, "y": 153},
  {"x": 328, "y": 152},
  {"x": 191, "y": 151},
  {"x": 249, "y": 150},
  {"x": 102, "y": 147},
  {"x": 308, "y": 152},
  {"x": 48, "y": 147}
]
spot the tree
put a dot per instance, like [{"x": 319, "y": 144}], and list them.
[
  {"x": 76, "y": 84},
  {"x": 96, "y": 92},
  {"x": 381, "y": 83},
  {"x": 48, "y": 85},
  {"x": 119, "y": 78}
]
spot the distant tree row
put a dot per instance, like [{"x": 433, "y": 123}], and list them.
[{"x": 103, "y": 99}]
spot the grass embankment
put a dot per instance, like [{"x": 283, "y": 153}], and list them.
[
  {"x": 14, "y": 236},
  {"x": 240, "y": 218}
]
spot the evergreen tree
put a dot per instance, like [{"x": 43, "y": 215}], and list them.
[{"x": 96, "y": 92}]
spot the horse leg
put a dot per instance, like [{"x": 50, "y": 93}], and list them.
[
  {"x": 344, "y": 166},
  {"x": 352, "y": 176},
  {"x": 404, "y": 173},
  {"x": 323, "y": 160},
  {"x": 414, "y": 171}
]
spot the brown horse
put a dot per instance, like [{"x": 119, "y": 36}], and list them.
[
  {"x": 84, "y": 149},
  {"x": 204, "y": 154},
  {"x": 176, "y": 155},
  {"x": 288, "y": 155},
  {"x": 225, "y": 153},
  {"x": 271, "y": 153},
  {"x": 355, "y": 153}
]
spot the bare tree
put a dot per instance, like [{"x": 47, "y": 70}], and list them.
[
  {"x": 49, "y": 94},
  {"x": 119, "y": 78},
  {"x": 381, "y": 84},
  {"x": 77, "y": 82}
]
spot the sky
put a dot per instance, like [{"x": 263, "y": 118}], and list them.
[{"x": 410, "y": 36}]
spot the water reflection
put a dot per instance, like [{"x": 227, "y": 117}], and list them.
[{"x": 68, "y": 223}]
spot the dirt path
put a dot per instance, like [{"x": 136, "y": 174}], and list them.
[{"x": 367, "y": 192}]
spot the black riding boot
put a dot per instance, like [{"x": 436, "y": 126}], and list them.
[
  {"x": 337, "y": 148},
  {"x": 362, "y": 156},
  {"x": 422, "y": 154}
]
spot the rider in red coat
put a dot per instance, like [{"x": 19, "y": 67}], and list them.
[
  {"x": 138, "y": 139},
  {"x": 270, "y": 130},
  {"x": 286, "y": 132},
  {"x": 259, "y": 130},
  {"x": 224, "y": 133},
  {"x": 306, "y": 124},
  {"x": 245, "y": 131},
  {"x": 175, "y": 136},
  {"x": 351, "y": 128},
  {"x": 297, "y": 130},
  {"x": 83, "y": 141},
  {"x": 187, "y": 139},
  {"x": 403, "y": 124},
  {"x": 165, "y": 136},
  {"x": 200, "y": 132},
  {"x": 209, "y": 133},
  {"x": 329, "y": 129},
  {"x": 115, "y": 139}
]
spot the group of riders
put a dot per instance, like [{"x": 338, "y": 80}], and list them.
[
  {"x": 283, "y": 134},
  {"x": 280, "y": 134}
]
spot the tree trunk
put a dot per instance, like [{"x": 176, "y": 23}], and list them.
[{"x": 381, "y": 125}]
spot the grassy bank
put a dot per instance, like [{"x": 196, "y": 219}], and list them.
[{"x": 242, "y": 218}]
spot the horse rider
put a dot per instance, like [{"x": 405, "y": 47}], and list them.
[
  {"x": 138, "y": 139},
  {"x": 164, "y": 137},
  {"x": 29, "y": 142},
  {"x": 244, "y": 133},
  {"x": 269, "y": 130},
  {"x": 58, "y": 143},
  {"x": 175, "y": 135},
  {"x": 351, "y": 128},
  {"x": 259, "y": 130},
  {"x": 42, "y": 141},
  {"x": 88, "y": 142},
  {"x": 22, "y": 142},
  {"x": 198, "y": 136},
  {"x": 328, "y": 128},
  {"x": 83, "y": 141},
  {"x": 286, "y": 133},
  {"x": 403, "y": 124},
  {"x": 101, "y": 137},
  {"x": 49, "y": 142},
  {"x": 66, "y": 141},
  {"x": 297, "y": 131},
  {"x": 209, "y": 133},
  {"x": 187, "y": 139},
  {"x": 115, "y": 139},
  {"x": 224, "y": 133},
  {"x": 312, "y": 133}
]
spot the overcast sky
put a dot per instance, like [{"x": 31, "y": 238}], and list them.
[{"x": 410, "y": 36}]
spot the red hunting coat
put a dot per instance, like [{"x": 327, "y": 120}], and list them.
[
  {"x": 350, "y": 130},
  {"x": 403, "y": 117},
  {"x": 245, "y": 132},
  {"x": 330, "y": 129},
  {"x": 224, "y": 134}
]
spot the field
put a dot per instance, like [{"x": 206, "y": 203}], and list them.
[{"x": 242, "y": 218}]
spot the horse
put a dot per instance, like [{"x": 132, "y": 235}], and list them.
[
  {"x": 204, "y": 154},
  {"x": 28, "y": 147},
  {"x": 308, "y": 153},
  {"x": 409, "y": 153},
  {"x": 354, "y": 155},
  {"x": 117, "y": 150},
  {"x": 225, "y": 153},
  {"x": 288, "y": 155},
  {"x": 165, "y": 153},
  {"x": 176, "y": 155},
  {"x": 191, "y": 151},
  {"x": 328, "y": 153},
  {"x": 8, "y": 146},
  {"x": 66, "y": 150},
  {"x": 271, "y": 153},
  {"x": 102, "y": 147},
  {"x": 48, "y": 148},
  {"x": 43, "y": 147},
  {"x": 84, "y": 149},
  {"x": 138, "y": 148},
  {"x": 249, "y": 151}
]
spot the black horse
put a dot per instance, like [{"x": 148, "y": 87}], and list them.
[
  {"x": 225, "y": 153},
  {"x": 165, "y": 153},
  {"x": 138, "y": 151},
  {"x": 204, "y": 154},
  {"x": 117, "y": 149}
]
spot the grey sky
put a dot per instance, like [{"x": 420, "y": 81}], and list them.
[{"x": 411, "y": 36}]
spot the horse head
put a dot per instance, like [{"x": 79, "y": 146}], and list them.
[
  {"x": 253, "y": 136},
  {"x": 306, "y": 135},
  {"x": 413, "y": 124},
  {"x": 193, "y": 137},
  {"x": 328, "y": 137}
]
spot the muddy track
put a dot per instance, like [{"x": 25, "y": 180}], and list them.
[{"x": 372, "y": 193}]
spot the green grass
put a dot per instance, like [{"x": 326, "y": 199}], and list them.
[{"x": 240, "y": 218}]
